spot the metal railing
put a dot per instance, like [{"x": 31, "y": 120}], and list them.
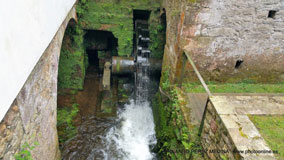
[{"x": 198, "y": 74}]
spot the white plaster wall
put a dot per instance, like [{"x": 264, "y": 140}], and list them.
[{"x": 26, "y": 29}]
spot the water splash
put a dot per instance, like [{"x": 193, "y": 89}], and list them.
[{"x": 136, "y": 133}]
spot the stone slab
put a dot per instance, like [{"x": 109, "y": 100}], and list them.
[
  {"x": 197, "y": 103},
  {"x": 233, "y": 111},
  {"x": 255, "y": 105}
]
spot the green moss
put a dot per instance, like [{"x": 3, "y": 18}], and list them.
[
  {"x": 109, "y": 15},
  {"x": 271, "y": 128},
  {"x": 235, "y": 88},
  {"x": 102, "y": 54},
  {"x": 242, "y": 133},
  {"x": 116, "y": 17},
  {"x": 157, "y": 35},
  {"x": 175, "y": 139},
  {"x": 223, "y": 157},
  {"x": 72, "y": 63},
  {"x": 193, "y": 1},
  {"x": 25, "y": 151},
  {"x": 65, "y": 126}
]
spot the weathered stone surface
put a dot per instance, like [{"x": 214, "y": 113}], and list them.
[
  {"x": 219, "y": 33},
  {"x": 32, "y": 117},
  {"x": 196, "y": 105},
  {"x": 226, "y": 117},
  {"x": 255, "y": 105},
  {"x": 106, "y": 77}
]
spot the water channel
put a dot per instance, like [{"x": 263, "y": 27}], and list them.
[{"x": 131, "y": 134}]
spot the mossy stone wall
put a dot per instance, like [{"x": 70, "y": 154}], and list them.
[
  {"x": 105, "y": 15},
  {"x": 117, "y": 17},
  {"x": 175, "y": 138},
  {"x": 157, "y": 34},
  {"x": 73, "y": 60}
]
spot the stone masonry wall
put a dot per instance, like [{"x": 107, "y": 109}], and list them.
[
  {"x": 215, "y": 138},
  {"x": 116, "y": 17},
  {"x": 32, "y": 117},
  {"x": 230, "y": 41}
]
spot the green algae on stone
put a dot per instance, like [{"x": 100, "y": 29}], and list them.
[
  {"x": 175, "y": 140},
  {"x": 116, "y": 17},
  {"x": 106, "y": 15},
  {"x": 157, "y": 35},
  {"x": 72, "y": 63},
  {"x": 65, "y": 126}
]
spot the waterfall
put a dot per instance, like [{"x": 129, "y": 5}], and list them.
[{"x": 137, "y": 131}]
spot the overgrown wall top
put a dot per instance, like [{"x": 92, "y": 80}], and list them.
[{"x": 115, "y": 16}]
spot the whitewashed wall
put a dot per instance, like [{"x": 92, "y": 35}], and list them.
[{"x": 26, "y": 29}]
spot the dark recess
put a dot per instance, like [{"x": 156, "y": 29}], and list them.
[
  {"x": 95, "y": 41},
  {"x": 272, "y": 14},
  {"x": 164, "y": 18},
  {"x": 93, "y": 57},
  {"x": 238, "y": 64},
  {"x": 141, "y": 14}
]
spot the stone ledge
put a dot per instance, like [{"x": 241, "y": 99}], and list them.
[{"x": 233, "y": 111}]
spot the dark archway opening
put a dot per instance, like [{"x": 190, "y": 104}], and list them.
[
  {"x": 141, "y": 14},
  {"x": 100, "y": 46}
]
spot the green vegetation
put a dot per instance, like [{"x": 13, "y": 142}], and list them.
[
  {"x": 114, "y": 16},
  {"x": 72, "y": 63},
  {"x": 235, "y": 88},
  {"x": 65, "y": 126},
  {"x": 157, "y": 35},
  {"x": 175, "y": 139},
  {"x": 111, "y": 15},
  {"x": 165, "y": 80},
  {"x": 25, "y": 151},
  {"x": 271, "y": 128}
]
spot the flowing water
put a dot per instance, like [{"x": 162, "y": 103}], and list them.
[{"x": 129, "y": 136}]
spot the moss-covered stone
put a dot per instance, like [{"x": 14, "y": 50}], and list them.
[
  {"x": 65, "y": 125},
  {"x": 72, "y": 63},
  {"x": 106, "y": 15},
  {"x": 157, "y": 28},
  {"x": 117, "y": 17},
  {"x": 175, "y": 139}
]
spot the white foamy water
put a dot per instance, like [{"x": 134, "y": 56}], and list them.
[{"x": 135, "y": 134}]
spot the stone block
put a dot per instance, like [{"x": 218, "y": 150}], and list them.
[{"x": 213, "y": 126}]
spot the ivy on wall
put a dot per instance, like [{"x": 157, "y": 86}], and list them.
[{"x": 175, "y": 139}]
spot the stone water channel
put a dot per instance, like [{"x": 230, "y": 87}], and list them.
[{"x": 131, "y": 134}]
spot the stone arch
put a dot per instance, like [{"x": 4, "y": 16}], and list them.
[{"x": 31, "y": 118}]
